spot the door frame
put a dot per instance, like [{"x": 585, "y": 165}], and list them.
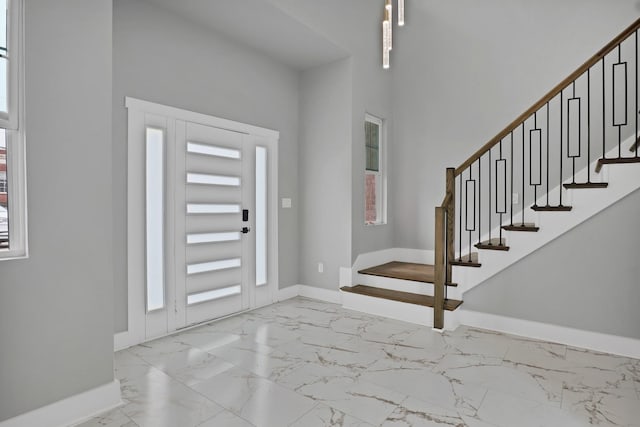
[{"x": 138, "y": 112}]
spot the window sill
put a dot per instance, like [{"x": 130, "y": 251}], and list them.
[{"x": 374, "y": 224}]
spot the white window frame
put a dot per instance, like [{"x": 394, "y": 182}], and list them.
[
  {"x": 13, "y": 123},
  {"x": 381, "y": 188}
]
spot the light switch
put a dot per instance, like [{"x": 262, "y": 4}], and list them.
[{"x": 286, "y": 203}]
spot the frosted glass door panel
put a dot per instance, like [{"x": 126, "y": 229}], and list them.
[
  {"x": 155, "y": 219},
  {"x": 261, "y": 216}
]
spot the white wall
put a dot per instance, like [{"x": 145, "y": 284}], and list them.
[
  {"x": 462, "y": 71},
  {"x": 325, "y": 165},
  {"x": 56, "y": 308},
  {"x": 162, "y": 58}
]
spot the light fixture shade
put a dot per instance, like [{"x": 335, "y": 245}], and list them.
[
  {"x": 386, "y": 25},
  {"x": 387, "y": 29}
]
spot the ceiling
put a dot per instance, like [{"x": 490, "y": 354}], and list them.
[{"x": 261, "y": 25}]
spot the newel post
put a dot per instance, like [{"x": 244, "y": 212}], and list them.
[
  {"x": 451, "y": 223},
  {"x": 440, "y": 273}
]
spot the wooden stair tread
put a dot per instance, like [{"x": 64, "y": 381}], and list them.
[
  {"x": 468, "y": 260},
  {"x": 559, "y": 208},
  {"x": 495, "y": 244},
  {"x": 529, "y": 227},
  {"x": 585, "y": 185},
  {"x": 402, "y": 270},
  {"x": 407, "y": 297},
  {"x": 616, "y": 160}
]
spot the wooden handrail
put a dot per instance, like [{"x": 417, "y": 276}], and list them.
[
  {"x": 447, "y": 200},
  {"x": 549, "y": 96}
]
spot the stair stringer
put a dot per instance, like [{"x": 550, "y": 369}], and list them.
[{"x": 623, "y": 179}]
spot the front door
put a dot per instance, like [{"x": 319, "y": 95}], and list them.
[
  {"x": 209, "y": 244},
  {"x": 214, "y": 222}
]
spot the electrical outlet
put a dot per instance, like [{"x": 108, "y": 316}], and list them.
[
  {"x": 515, "y": 198},
  {"x": 320, "y": 267}
]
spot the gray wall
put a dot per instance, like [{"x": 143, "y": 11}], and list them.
[
  {"x": 162, "y": 58},
  {"x": 370, "y": 94},
  {"x": 56, "y": 308},
  {"x": 463, "y": 71},
  {"x": 325, "y": 165},
  {"x": 586, "y": 279}
]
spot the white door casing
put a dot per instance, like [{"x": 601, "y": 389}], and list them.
[{"x": 213, "y": 170}]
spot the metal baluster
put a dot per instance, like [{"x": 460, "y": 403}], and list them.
[
  {"x": 588, "y": 125},
  {"x": 523, "y": 178},
  {"x": 604, "y": 112},
  {"x": 613, "y": 100},
  {"x": 474, "y": 210},
  {"x": 561, "y": 122},
  {"x": 460, "y": 222},
  {"x": 573, "y": 158},
  {"x": 535, "y": 187},
  {"x": 511, "y": 186},
  {"x": 490, "y": 197},
  {"x": 505, "y": 194},
  {"x": 479, "y": 193},
  {"x": 548, "y": 126}
]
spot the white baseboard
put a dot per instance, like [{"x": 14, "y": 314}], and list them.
[
  {"x": 596, "y": 341},
  {"x": 321, "y": 294},
  {"x": 122, "y": 340},
  {"x": 288, "y": 292},
  {"x": 72, "y": 410}
]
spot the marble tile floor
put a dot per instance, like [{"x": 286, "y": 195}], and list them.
[{"x": 307, "y": 363}]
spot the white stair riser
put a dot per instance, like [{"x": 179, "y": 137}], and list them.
[
  {"x": 404, "y": 285},
  {"x": 405, "y": 312}
]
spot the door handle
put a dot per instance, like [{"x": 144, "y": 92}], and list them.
[{"x": 245, "y": 230}]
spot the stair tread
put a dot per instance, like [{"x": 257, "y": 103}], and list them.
[
  {"x": 468, "y": 260},
  {"x": 495, "y": 244},
  {"x": 521, "y": 227},
  {"x": 407, "y": 297},
  {"x": 402, "y": 270},
  {"x": 585, "y": 185},
  {"x": 616, "y": 160},
  {"x": 560, "y": 208}
]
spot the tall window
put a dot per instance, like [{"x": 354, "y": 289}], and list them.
[
  {"x": 374, "y": 177},
  {"x": 12, "y": 175}
]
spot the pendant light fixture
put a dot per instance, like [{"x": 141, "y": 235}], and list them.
[{"x": 387, "y": 29}]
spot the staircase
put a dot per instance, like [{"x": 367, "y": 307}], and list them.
[{"x": 566, "y": 158}]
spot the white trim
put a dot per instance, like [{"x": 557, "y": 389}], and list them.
[
  {"x": 411, "y": 313},
  {"x": 288, "y": 292},
  {"x": 72, "y": 410},
  {"x": 344, "y": 276},
  {"x": 122, "y": 340},
  {"x": 15, "y": 71},
  {"x": 327, "y": 295},
  {"x": 321, "y": 294},
  {"x": 204, "y": 119},
  {"x": 612, "y": 344},
  {"x": 141, "y": 327},
  {"x": 381, "y": 173},
  {"x": 15, "y": 131}
]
